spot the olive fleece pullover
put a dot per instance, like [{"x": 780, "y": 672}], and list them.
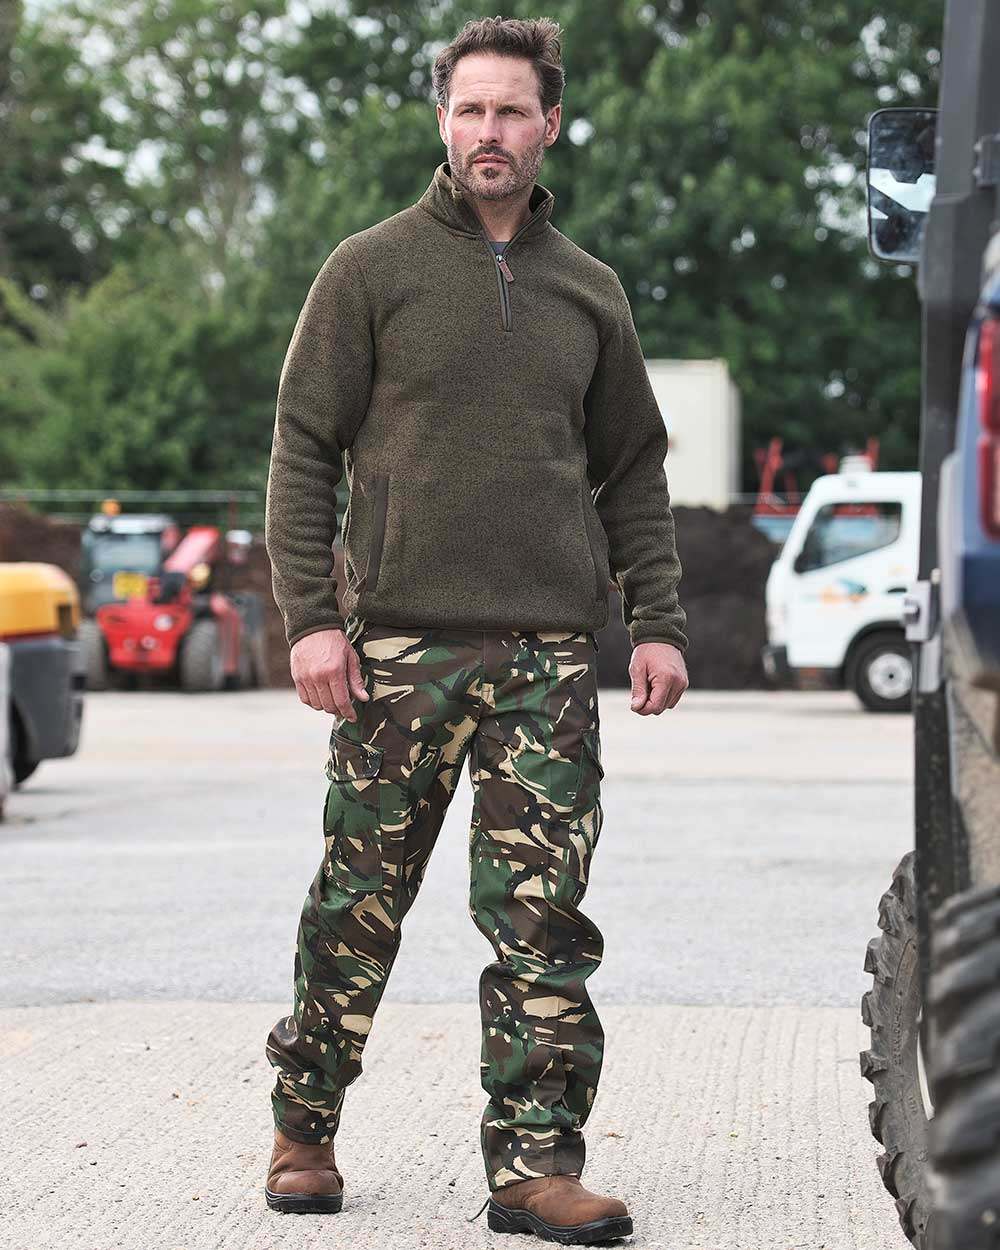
[{"x": 503, "y": 448}]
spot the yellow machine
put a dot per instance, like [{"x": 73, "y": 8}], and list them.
[{"x": 39, "y": 617}]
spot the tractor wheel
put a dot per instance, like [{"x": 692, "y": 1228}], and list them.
[
  {"x": 964, "y": 1008},
  {"x": 248, "y": 667},
  {"x": 258, "y": 645},
  {"x": 95, "y": 654},
  {"x": 901, "y": 1108},
  {"x": 880, "y": 672},
  {"x": 242, "y": 679},
  {"x": 201, "y": 657},
  {"x": 21, "y": 765}
]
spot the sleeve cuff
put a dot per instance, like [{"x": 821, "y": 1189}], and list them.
[
  {"x": 335, "y": 623},
  {"x": 675, "y": 640}
]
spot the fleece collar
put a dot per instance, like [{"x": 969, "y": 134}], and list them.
[{"x": 449, "y": 204}]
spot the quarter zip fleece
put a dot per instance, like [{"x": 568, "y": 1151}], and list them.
[{"x": 502, "y": 446}]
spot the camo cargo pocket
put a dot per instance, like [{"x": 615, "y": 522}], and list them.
[{"x": 352, "y": 824}]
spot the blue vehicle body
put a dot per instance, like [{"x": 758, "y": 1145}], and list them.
[{"x": 969, "y": 556}]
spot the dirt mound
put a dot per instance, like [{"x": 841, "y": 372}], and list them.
[
  {"x": 27, "y": 535},
  {"x": 725, "y": 561}
]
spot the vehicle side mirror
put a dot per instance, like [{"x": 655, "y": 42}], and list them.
[{"x": 901, "y": 181}]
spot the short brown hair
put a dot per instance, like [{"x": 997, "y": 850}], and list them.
[{"x": 536, "y": 39}]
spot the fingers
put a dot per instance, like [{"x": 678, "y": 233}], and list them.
[
  {"x": 640, "y": 686},
  {"x": 332, "y": 689},
  {"x": 336, "y": 691},
  {"x": 663, "y": 691},
  {"x": 355, "y": 678},
  {"x": 327, "y": 672},
  {"x": 677, "y": 688},
  {"x": 319, "y": 696}
]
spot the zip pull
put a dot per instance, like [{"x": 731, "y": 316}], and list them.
[{"x": 505, "y": 268}]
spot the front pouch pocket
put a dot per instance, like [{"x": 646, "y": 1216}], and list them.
[
  {"x": 352, "y": 823},
  {"x": 485, "y": 544}
]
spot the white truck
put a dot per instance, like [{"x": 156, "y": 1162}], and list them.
[{"x": 834, "y": 596}]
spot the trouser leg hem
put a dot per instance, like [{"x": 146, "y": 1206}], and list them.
[
  {"x": 305, "y": 1138},
  {"x": 494, "y": 1185}
]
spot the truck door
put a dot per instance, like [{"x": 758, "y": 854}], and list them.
[{"x": 851, "y": 571}]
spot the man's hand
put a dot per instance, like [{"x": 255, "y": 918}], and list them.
[
  {"x": 659, "y": 677},
  {"x": 327, "y": 672}
]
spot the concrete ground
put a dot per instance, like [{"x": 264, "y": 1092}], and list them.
[{"x": 150, "y": 892}]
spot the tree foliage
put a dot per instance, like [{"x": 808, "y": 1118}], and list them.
[{"x": 177, "y": 170}]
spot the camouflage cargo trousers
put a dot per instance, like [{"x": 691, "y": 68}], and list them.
[{"x": 524, "y": 707}]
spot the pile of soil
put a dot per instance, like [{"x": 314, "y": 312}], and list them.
[
  {"x": 725, "y": 564},
  {"x": 27, "y": 535},
  {"x": 725, "y": 561}
]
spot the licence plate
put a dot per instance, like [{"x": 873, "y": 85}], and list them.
[{"x": 126, "y": 585}]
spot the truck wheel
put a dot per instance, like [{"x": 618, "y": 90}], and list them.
[
  {"x": 964, "y": 1008},
  {"x": 880, "y": 672},
  {"x": 95, "y": 654},
  {"x": 899, "y": 1113},
  {"x": 201, "y": 657}
]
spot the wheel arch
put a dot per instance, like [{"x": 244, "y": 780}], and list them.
[{"x": 891, "y": 629}]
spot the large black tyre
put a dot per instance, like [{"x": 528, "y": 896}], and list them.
[
  {"x": 963, "y": 995},
  {"x": 252, "y": 670},
  {"x": 201, "y": 657},
  {"x": 898, "y": 1114},
  {"x": 245, "y": 672},
  {"x": 880, "y": 672},
  {"x": 21, "y": 763},
  {"x": 95, "y": 654}
]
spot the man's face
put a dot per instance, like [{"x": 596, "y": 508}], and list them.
[{"x": 494, "y": 108}]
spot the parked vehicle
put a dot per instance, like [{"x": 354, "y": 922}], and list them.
[
  {"x": 157, "y": 609},
  {"x": 39, "y": 615},
  {"x": 6, "y": 758},
  {"x": 834, "y": 596},
  {"x": 934, "y": 1005}
]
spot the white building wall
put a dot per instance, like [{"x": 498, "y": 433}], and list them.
[{"x": 700, "y": 406}]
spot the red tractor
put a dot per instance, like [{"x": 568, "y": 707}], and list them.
[{"x": 152, "y": 607}]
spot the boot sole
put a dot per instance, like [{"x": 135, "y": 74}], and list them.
[
  {"x": 304, "y": 1204},
  {"x": 504, "y": 1220}
]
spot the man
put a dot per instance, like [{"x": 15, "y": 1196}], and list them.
[{"x": 479, "y": 377}]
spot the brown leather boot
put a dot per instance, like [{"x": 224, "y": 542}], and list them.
[
  {"x": 303, "y": 1177},
  {"x": 557, "y": 1208}
]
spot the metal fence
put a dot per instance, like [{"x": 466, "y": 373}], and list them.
[{"x": 233, "y": 509}]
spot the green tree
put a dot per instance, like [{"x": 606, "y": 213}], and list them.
[{"x": 180, "y": 169}]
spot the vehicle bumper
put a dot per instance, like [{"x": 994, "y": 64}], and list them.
[
  {"x": 46, "y": 686},
  {"x": 775, "y": 663},
  {"x": 781, "y": 674}
]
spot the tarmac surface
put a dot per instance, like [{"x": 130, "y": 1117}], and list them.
[{"x": 150, "y": 891}]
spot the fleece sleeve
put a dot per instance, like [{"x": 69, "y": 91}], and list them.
[
  {"x": 323, "y": 395},
  {"x": 626, "y": 448}
]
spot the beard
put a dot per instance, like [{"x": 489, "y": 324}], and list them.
[{"x": 497, "y": 183}]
